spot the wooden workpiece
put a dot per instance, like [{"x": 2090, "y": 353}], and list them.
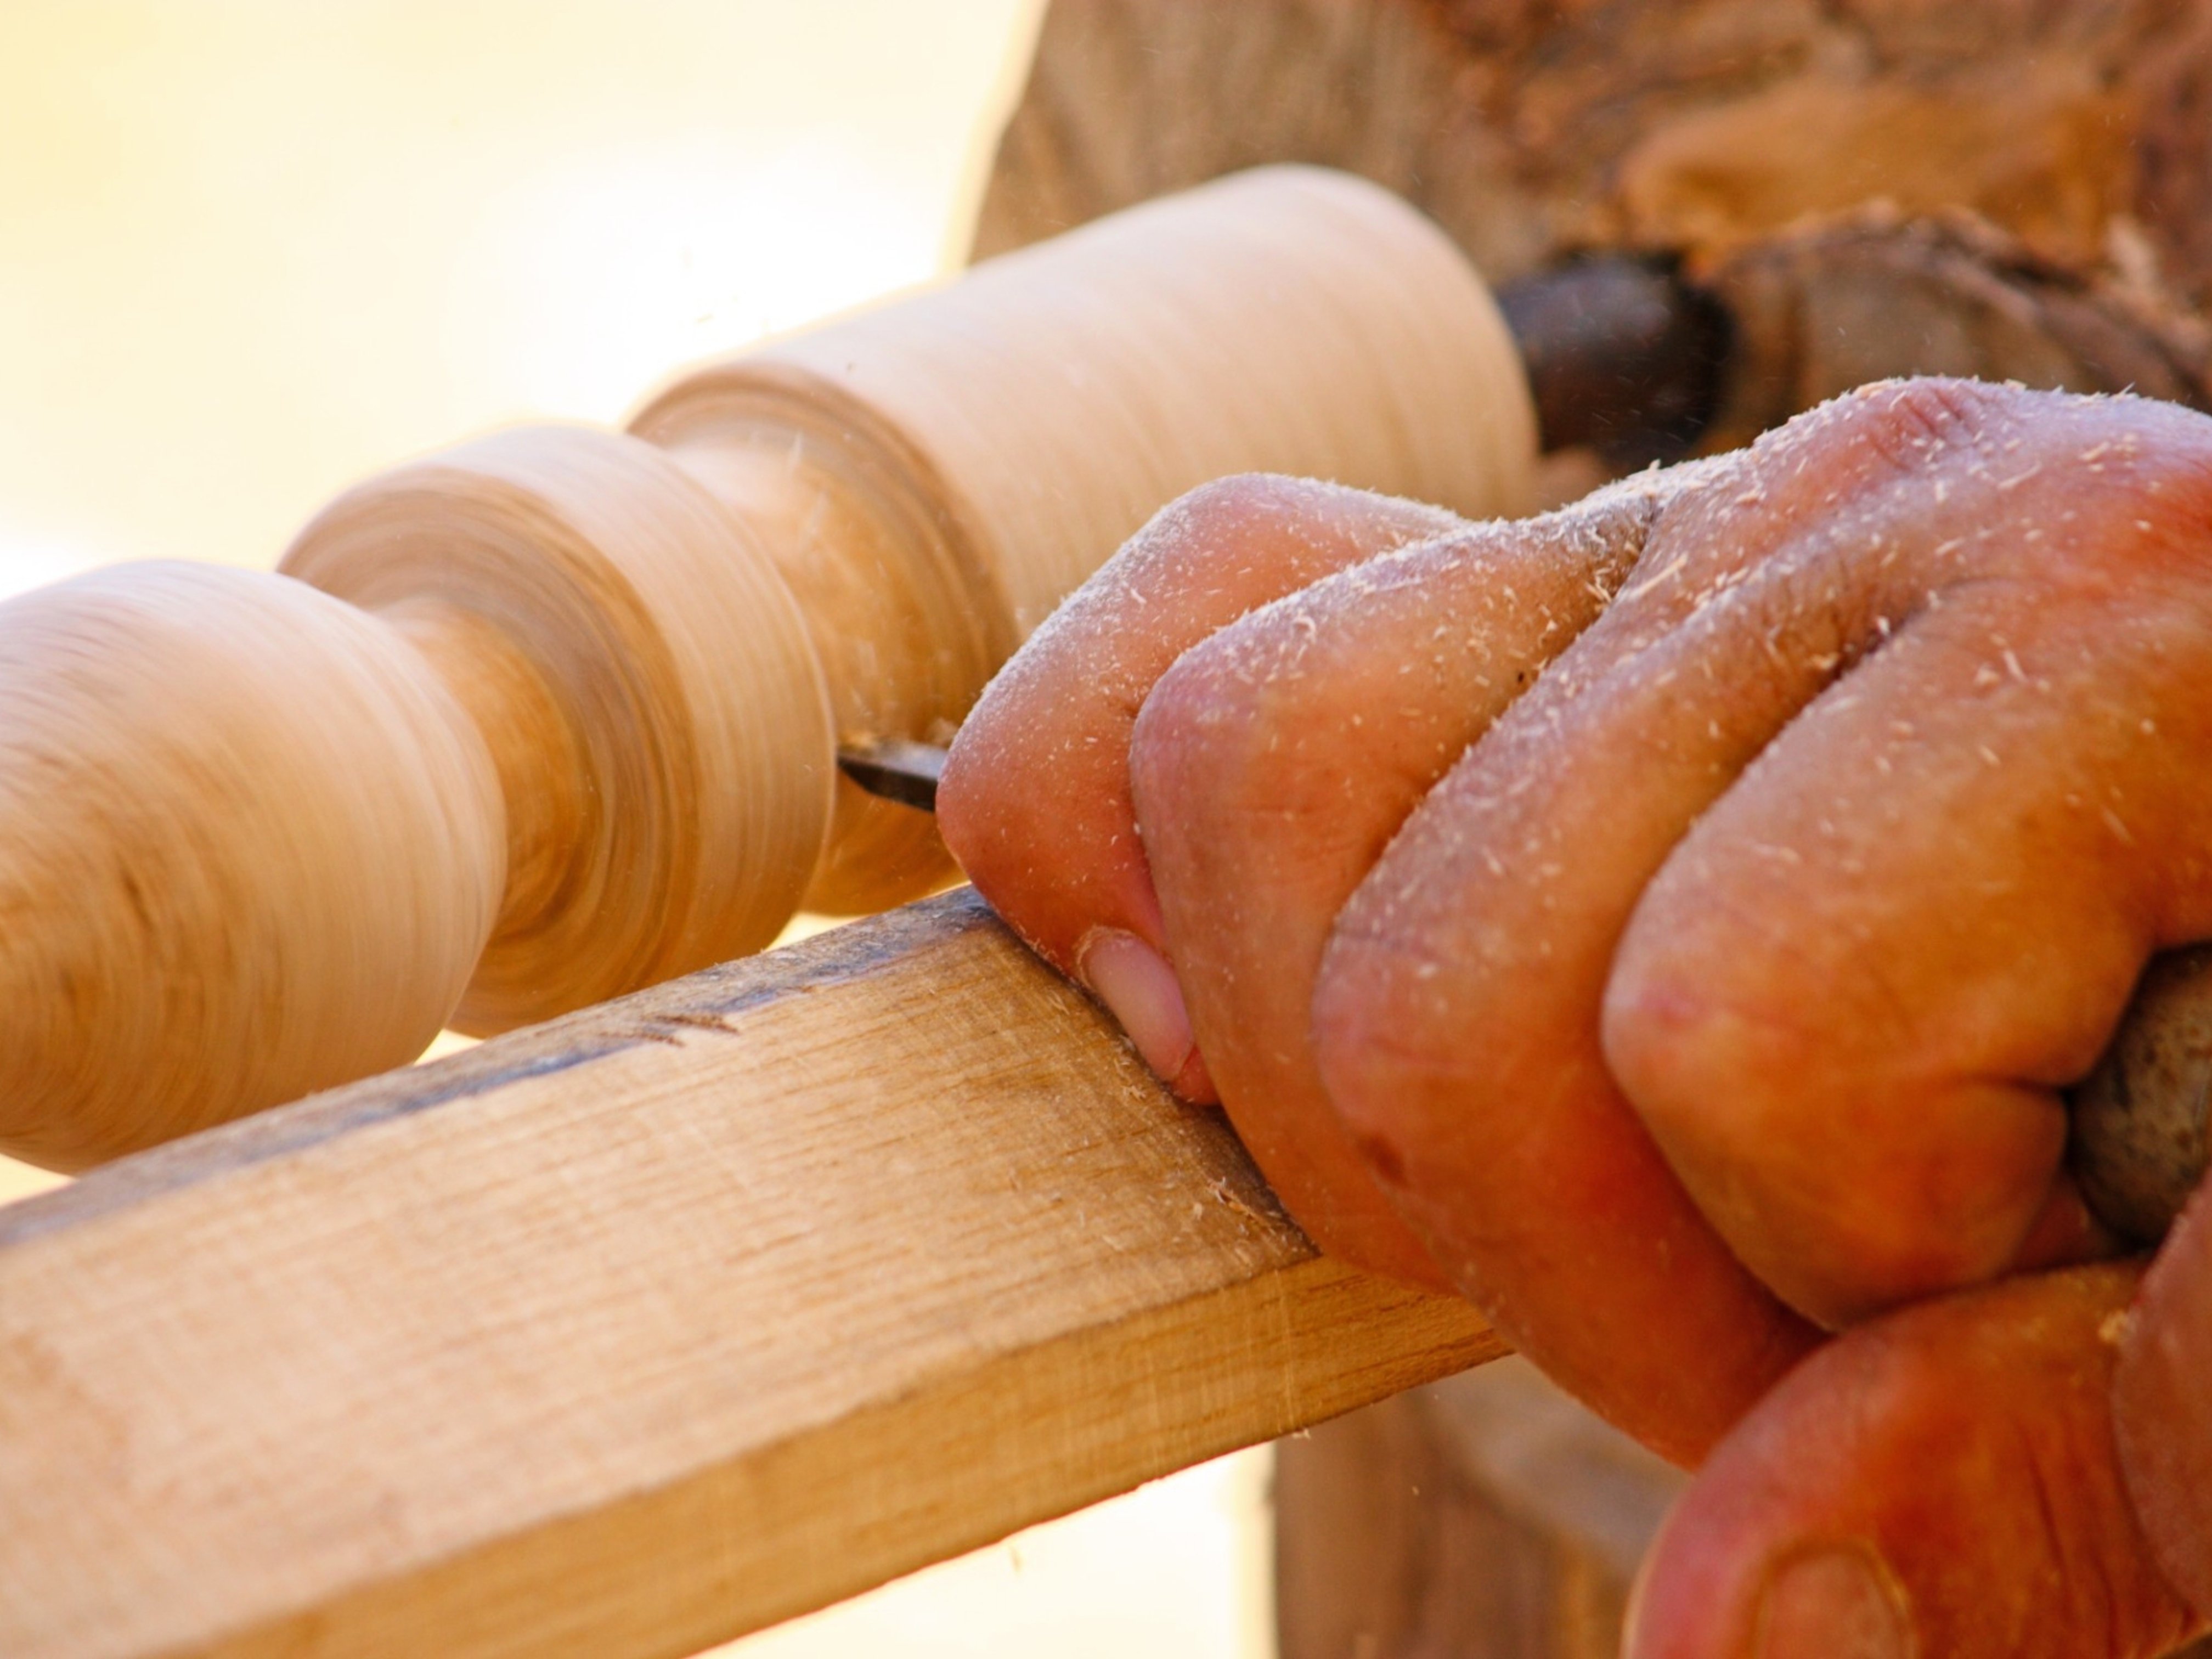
[
  {"x": 576, "y": 731},
  {"x": 629, "y": 1333},
  {"x": 688, "y": 1313}
]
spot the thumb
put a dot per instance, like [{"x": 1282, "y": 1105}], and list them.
[{"x": 1944, "y": 1481}]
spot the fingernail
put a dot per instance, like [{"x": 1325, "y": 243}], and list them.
[
  {"x": 1840, "y": 1603},
  {"x": 1140, "y": 990}
]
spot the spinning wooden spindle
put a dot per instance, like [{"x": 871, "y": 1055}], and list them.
[{"x": 551, "y": 715}]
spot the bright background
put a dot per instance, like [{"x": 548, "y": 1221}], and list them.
[{"x": 250, "y": 249}]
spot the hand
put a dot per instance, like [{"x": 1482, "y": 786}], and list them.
[{"x": 1669, "y": 922}]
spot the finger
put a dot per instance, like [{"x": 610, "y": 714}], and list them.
[
  {"x": 1944, "y": 1481},
  {"x": 1458, "y": 1009},
  {"x": 1035, "y": 800},
  {"x": 1456, "y": 1013},
  {"x": 1273, "y": 761},
  {"x": 1847, "y": 1003},
  {"x": 2162, "y": 1405}
]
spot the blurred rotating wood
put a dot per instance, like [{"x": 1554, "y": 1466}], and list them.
[
  {"x": 240, "y": 815},
  {"x": 577, "y": 731},
  {"x": 643, "y": 681}
]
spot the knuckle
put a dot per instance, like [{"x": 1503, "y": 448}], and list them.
[
  {"x": 1392, "y": 1032},
  {"x": 1707, "y": 1040},
  {"x": 1904, "y": 423},
  {"x": 1227, "y": 508},
  {"x": 972, "y": 807},
  {"x": 1362, "y": 1048},
  {"x": 1230, "y": 729},
  {"x": 1678, "y": 1047},
  {"x": 1938, "y": 408},
  {"x": 1689, "y": 1009},
  {"x": 983, "y": 807},
  {"x": 1780, "y": 1121},
  {"x": 1195, "y": 735}
]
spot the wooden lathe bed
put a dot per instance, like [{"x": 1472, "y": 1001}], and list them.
[{"x": 625, "y": 1335}]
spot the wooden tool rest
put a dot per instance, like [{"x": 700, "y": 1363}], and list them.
[
  {"x": 625, "y": 1335},
  {"x": 540, "y": 719}
]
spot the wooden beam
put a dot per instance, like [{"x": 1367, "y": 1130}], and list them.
[{"x": 636, "y": 1331}]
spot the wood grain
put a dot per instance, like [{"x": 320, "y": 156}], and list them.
[
  {"x": 1487, "y": 1516},
  {"x": 233, "y": 814},
  {"x": 631, "y": 1332},
  {"x": 1530, "y": 130},
  {"x": 654, "y": 642},
  {"x": 643, "y": 679},
  {"x": 933, "y": 476},
  {"x": 1873, "y": 187}
]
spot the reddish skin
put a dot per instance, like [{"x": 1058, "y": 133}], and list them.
[
  {"x": 1966, "y": 1445},
  {"x": 1061, "y": 860},
  {"x": 2162, "y": 1405},
  {"x": 1257, "y": 840},
  {"x": 1842, "y": 1025},
  {"x": 1735, "y": 965},
  {"x": 1266, "y": 807}
]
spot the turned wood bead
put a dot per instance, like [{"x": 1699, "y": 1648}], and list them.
[
  {"x": 252, "y": 846},
  {"x": 644, "y": 684}
]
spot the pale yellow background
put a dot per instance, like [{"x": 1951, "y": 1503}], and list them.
[{"x": 252, "y": 249}]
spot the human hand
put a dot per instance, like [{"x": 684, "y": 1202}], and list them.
[{"x": 1681, "y": 972}]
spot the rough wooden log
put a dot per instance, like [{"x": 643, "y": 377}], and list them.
[
  {"x": 635, "y": 1331},
  {"x": 1838, "y": 302},
  {"x": 2021, "y": 189},
  {"x": 1528, "y": 127}
]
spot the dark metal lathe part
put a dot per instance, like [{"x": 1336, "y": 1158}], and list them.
[
  {"x": 898, "y": 770},
  {"x": 1623, "y": 357}
]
